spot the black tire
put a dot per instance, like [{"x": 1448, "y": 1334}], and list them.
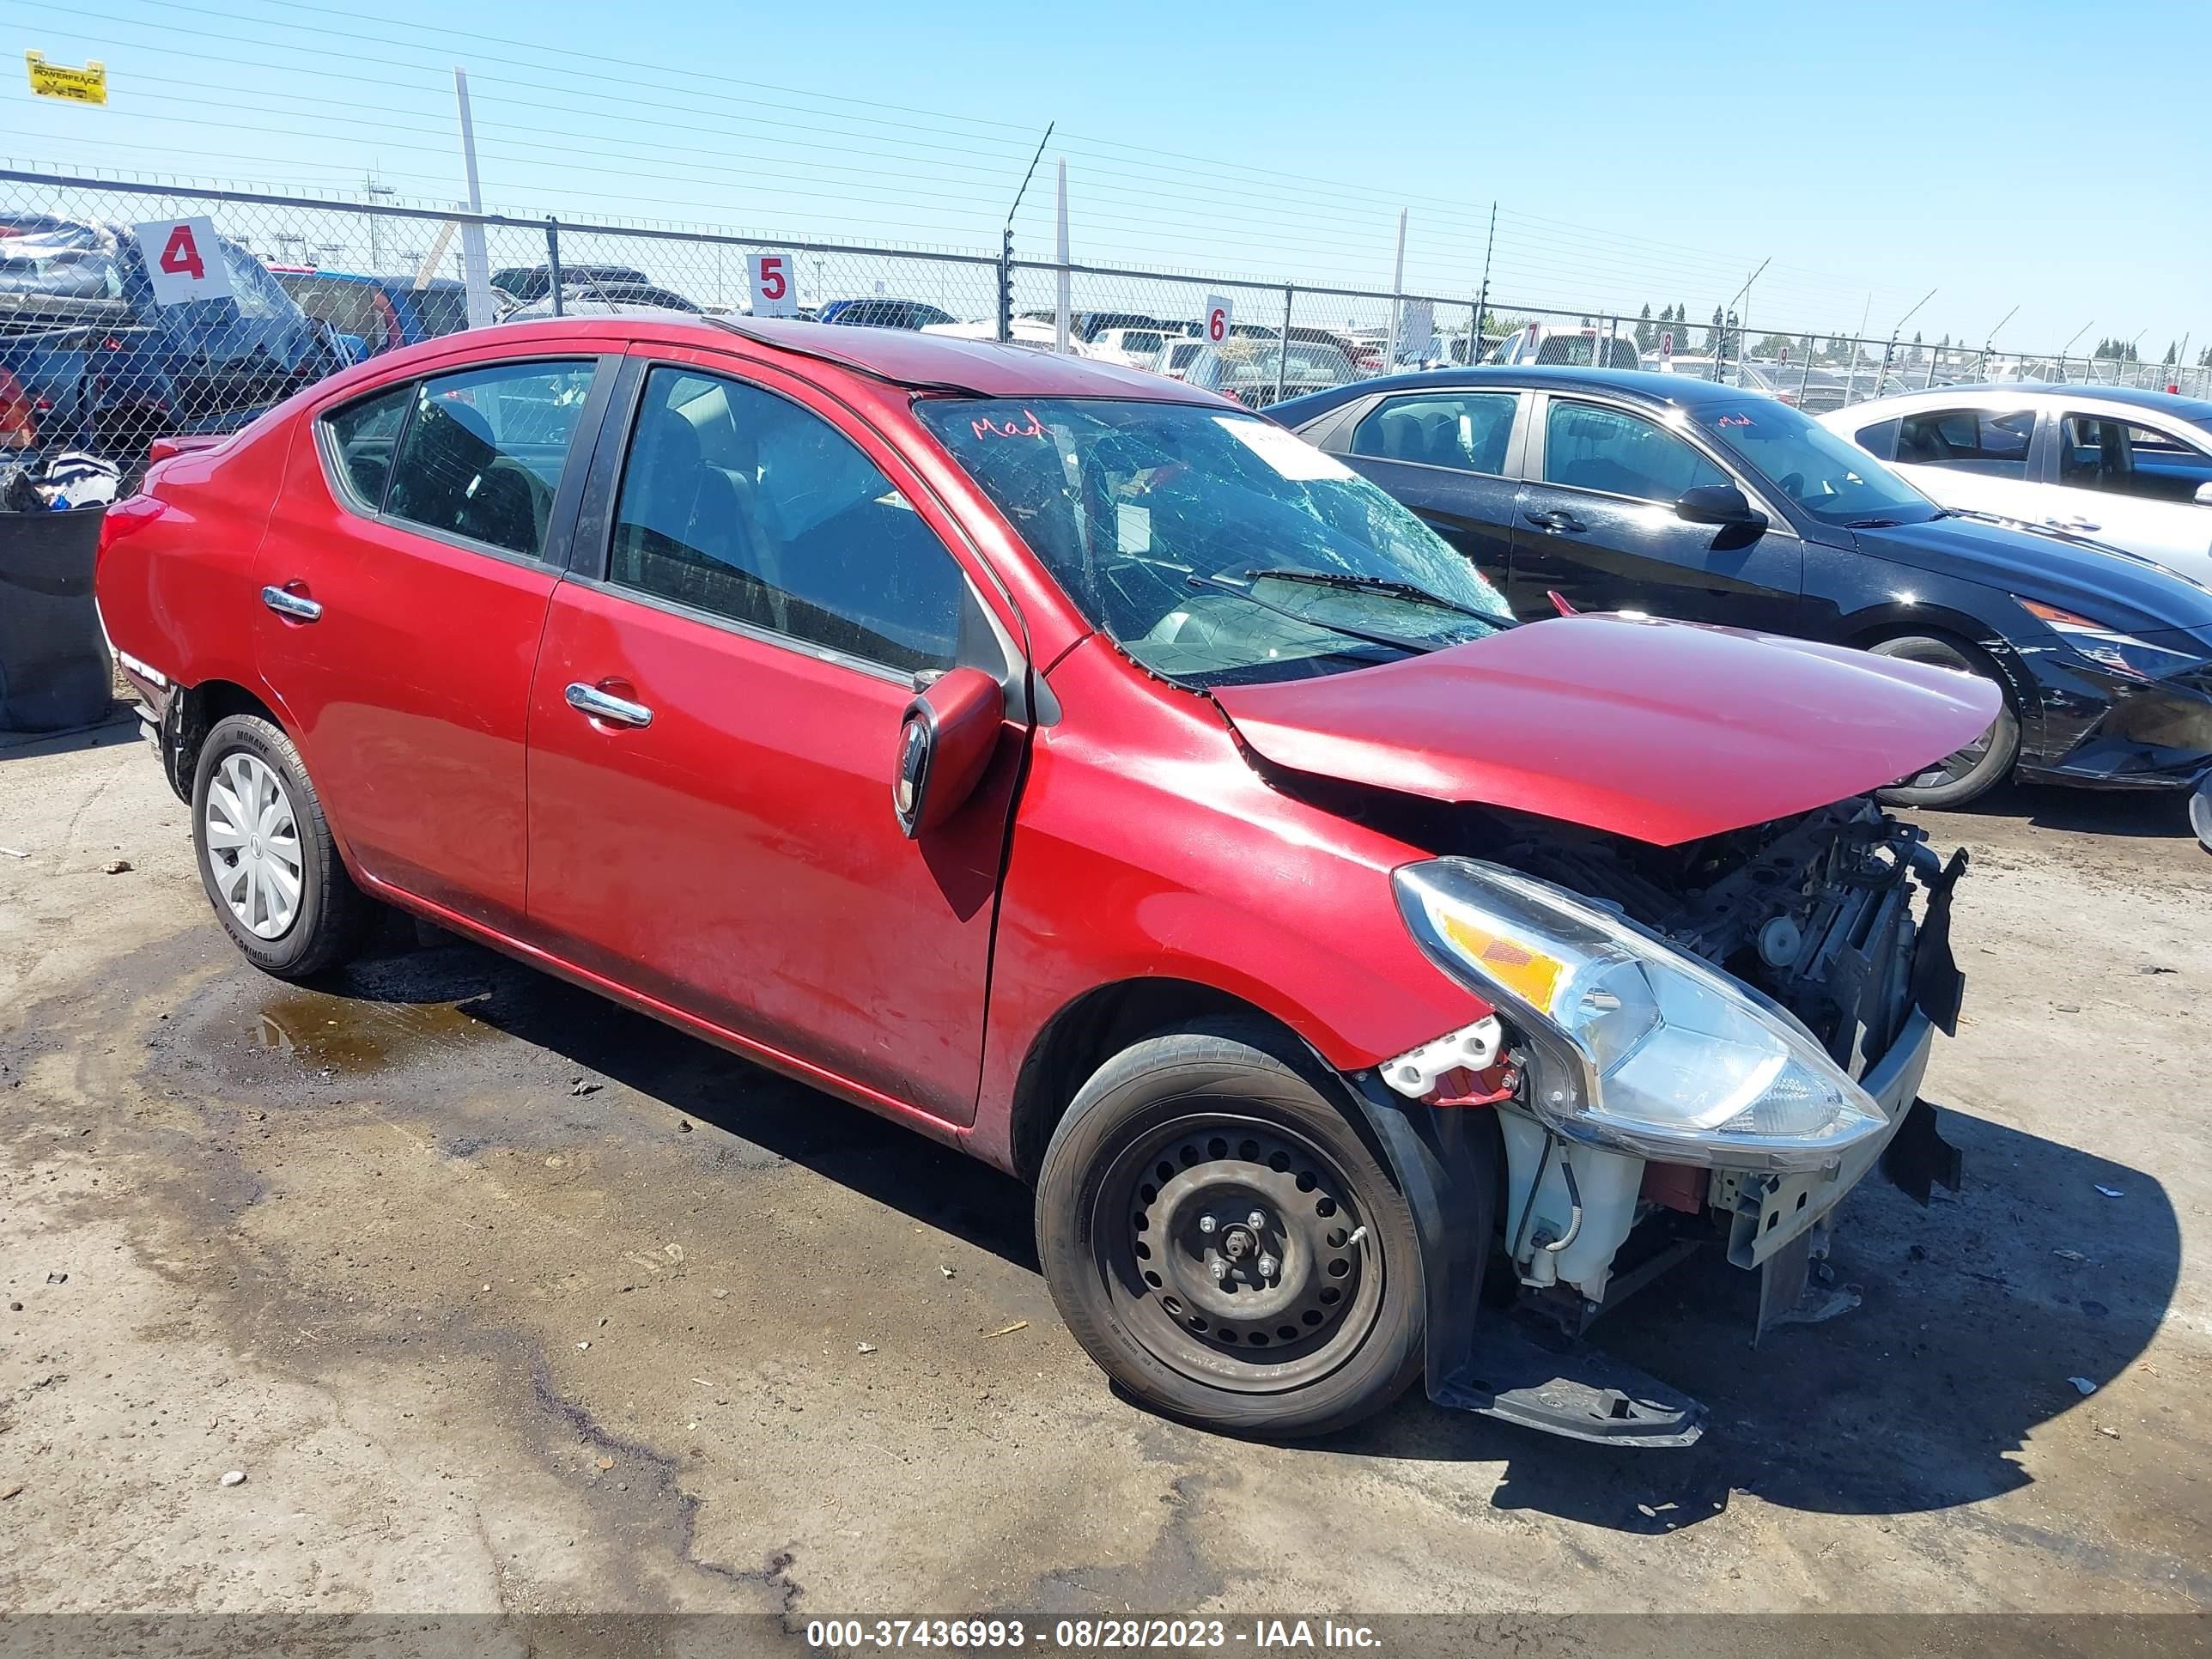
[
  {"x": 1980, "y": 766},
  {"x": 331, "y": 914},
  {"x": 1208, "y": 1123}
]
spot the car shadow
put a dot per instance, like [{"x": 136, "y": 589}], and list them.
[
  {"x": 119, "y": 725},
  {"x": 1975, "y": 1313},
  {"x": 2148, "y": 814}
]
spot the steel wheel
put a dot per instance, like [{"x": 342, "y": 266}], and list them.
[
  {"x": 252, "y": 837},
  {"x": 1236, "y": 1253}
]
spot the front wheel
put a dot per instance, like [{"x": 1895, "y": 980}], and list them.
[
  {"x": 1974, "y": 768},
  {"x": 266, "y": 856},
  {"x": 1220, "y": 1239}
]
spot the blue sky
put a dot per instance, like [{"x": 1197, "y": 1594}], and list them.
[{"x": 2048, "y": 157}]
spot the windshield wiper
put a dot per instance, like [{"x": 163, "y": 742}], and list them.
[
  {"x": 1372, "y": 636},
  {"x": 1388, "y": 585},
  {"x": 1872, "y": 524}
]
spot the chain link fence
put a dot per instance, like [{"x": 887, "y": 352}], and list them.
[{"x": 132, "y": 310}]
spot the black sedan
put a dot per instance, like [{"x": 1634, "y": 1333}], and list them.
[{"x": 1601, "y": 490}]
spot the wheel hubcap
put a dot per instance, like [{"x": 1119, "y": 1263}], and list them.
[
  {"x": 253, "y": 840},
  {"x": 1246, "y": 1261}
]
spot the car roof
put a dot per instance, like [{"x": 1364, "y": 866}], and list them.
[
  {"x": 1682, "y": 390},
  {"x": 904, "y": 357},
  {"x": 2130, "y": 397}
]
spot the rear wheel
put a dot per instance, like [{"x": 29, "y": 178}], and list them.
[
  {"x": 1975, "y": 768},
  {"x": 1221, "y": 1240},
  {"x": 266, "y": 856}
]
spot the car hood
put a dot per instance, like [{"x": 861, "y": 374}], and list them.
[
  {"x": 1665, "y": 731},
  {"x": 2102, "y": 583}
]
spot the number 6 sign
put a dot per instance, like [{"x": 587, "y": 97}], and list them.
[
  {"x": 185, "y": 261},
  {"x": 1217, "y": 317},
  {"x": 772, "y": 294}
]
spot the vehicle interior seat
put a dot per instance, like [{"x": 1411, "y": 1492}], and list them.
[{"x": 684, "y": 530}]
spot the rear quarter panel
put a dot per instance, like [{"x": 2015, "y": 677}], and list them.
[{"x": 179, "y": 594}]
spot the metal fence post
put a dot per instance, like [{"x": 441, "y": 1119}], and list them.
[
  {"x": 1283, "y": 345},
  {"x": 553, "y": 260},
  {"x": 1006, "y": 287}
]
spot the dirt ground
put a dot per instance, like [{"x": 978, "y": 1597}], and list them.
[{"x": 504, "y": 1300}]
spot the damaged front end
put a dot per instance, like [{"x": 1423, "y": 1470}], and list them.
[{"x": 1701, "y": 1044}]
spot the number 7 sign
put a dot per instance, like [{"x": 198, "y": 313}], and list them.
[
  {"x": 772, "y": 286},
  {"x": 184, "y": 260}
]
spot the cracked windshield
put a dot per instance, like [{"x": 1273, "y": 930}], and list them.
[{"x": 1216, "y": 549}]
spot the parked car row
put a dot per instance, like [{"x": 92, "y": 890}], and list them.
[
  {"x": 1598, "y": 490},
  {"x": 1375, "y": 973}
]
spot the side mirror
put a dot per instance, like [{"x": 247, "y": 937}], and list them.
[
  {"x": 945, "y": 742},
  {"x": 1723, "y": 504},
  {"x": 2203, "y": 496}
]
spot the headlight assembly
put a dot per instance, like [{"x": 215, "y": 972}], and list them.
[
  {"x": 2107, "y": 647},
  {"x": 1636, "y": 1045}
]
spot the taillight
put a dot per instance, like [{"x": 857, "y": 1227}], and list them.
[
  {"x": 18, "y": 430},
  {"x": 127, "y": 517}
]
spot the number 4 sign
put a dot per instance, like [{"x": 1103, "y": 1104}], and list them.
[
  {"x": 772, "y": 292},
  {"x": 1217, "y": 317},
  {"x": 185, "y": 261}
]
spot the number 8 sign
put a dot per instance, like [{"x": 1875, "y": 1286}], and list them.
[
  {"x": 771, "y": 277},
  {"x": 184, "y": 260},
  {"x": 1217, "y": 317}
]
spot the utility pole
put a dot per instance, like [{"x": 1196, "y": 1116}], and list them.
[
  {"x": 1397, "y": 298},
  {"x": 476, "y": 265},
  {"x": 1006, "y": 243},
  {"x": 1062, "y": 295},
  {"x": 1890, "y": 350}
]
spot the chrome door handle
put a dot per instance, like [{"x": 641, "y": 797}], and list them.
[
  {"x": 1557, "y": 520},
  {"x": 601, "y": 705},
  {"x": 297, "y": 606}
]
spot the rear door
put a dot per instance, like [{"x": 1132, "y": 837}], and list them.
[
  {"x": 766, "y": 587},
  {"x": 1447, "y": 454},
  {"x": 406, "y": 568},
  {"x": 2131, "y": 479},
  {"x": 1597, "y": 527}
]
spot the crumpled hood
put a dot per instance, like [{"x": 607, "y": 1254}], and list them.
[{"x": 1663, "y": 731}]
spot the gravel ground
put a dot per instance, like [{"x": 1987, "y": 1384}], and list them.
[{"x": 502, "y": 1299}]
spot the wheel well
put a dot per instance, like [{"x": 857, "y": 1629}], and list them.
[
  {"x": 1094, "y": 1028},
  {"x": 1946, "y": 627},
  {"x": 192, "y": 713}
]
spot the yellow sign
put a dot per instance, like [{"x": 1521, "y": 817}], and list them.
[{"x": 87, "y": 85}]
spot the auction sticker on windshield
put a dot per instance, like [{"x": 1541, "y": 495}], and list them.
[{"x": 1291, "y": 456}]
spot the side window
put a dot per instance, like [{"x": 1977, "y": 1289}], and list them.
[
  {"x": 1879, "y": 440},
  {"x": 2095, "y": 453},
  {"x": 1990, "y": 441},
  {"x": 361, "y": 437},
  {"x": 1466, "y": 430},
  {"x": 737, "y": 501},
  {"x": 1587, "y": 448},
  {"x": 483, "y": 451}
]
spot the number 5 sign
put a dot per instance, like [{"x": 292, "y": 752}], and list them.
[
  {"x": 772, "y": 294},
  {"x": 185, "y": 261},
  {"x": 1217, "y": 317}
]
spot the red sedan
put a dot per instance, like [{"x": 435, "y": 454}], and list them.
[{"x": 1089, "y": 774}]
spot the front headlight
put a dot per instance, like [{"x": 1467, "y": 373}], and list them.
[
  {"x": 1636, "y": 1045},
  {"x": 2108, "y": 648}
]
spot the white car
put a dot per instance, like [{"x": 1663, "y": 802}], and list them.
[
  {"x": 1570, "y": 347},
  {"x": 1132, "y": 348},
  {"x": 2130, "y": 468}
]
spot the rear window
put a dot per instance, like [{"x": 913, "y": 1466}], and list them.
[{"x": 482, "y": 452}]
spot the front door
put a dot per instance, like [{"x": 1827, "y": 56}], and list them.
[
  {"x": 1444, "y": 454},
  {"x": 405, "y": 587},
  {"x": 1598, "y": 527},
  {"x": 714, "y": 724}
]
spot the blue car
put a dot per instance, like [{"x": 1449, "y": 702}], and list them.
[
  {"x": 89, "y": 360},
  {"x": 383, "y": 312}
]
